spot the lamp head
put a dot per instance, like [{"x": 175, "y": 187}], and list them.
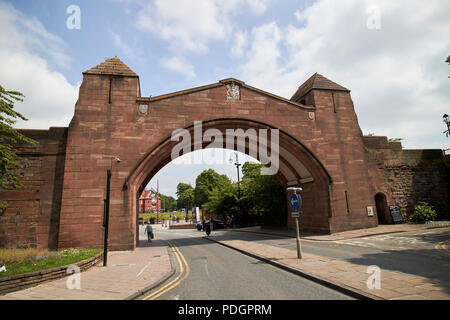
[{"x": 116, "y": 159}]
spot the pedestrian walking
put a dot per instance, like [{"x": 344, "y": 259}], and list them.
[
  {"x": 208, "y": 227},
  {"x": 149, "y": 232}
]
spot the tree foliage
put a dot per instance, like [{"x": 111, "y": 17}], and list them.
[
  {"x": 206, "y": 182},
  {"x": 168, "y": 203},
  {"x": 10, "y": 137},
  {"x": 187, "y": 198},
  {"x": 263, "y": 194},
  {"x": 423, "y": 212},
  {"x": 181, "y": 189},
  {"x": 223, "y": 199}
]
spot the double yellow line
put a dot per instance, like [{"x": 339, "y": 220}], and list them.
[
  {"x": 442, "y": 246},
  {"x": 184, "y": 272}
]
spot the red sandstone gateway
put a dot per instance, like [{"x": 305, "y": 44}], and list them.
[{"x": 321, "y": 149}]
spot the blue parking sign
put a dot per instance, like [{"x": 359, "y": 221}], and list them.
[{"x": 294, "y": 201}]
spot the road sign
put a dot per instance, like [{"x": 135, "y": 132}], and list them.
[
  {"x": 296, "y": 214},
  {"x": 294, "y": 201}
]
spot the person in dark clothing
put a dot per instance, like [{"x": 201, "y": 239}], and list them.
[
  {"x": 149, "y": 232},
  {"x": 208, "y": 227}
]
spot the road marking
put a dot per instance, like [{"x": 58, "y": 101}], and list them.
[
  {"x": 175, "y": 282},
  {"x": 442, "y": 246},
  {"x": 143, "y": 269},
  {"x": 206, "y": 268}
]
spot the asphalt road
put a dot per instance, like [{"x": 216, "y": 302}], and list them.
[
  {"x": 211, "y": 271},
  {"x": 424, "y": 253}
]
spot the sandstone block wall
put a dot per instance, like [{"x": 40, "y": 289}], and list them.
[
  {"x": 32, "y": 216},
  {"x": 409, "y": 176}
]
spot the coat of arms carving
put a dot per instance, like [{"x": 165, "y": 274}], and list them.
[{"x": 233, "y": 91}]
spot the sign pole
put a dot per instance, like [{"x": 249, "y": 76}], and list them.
[
  {"x": 296, "y": 203},
  {"x": 299, "y": 248}
]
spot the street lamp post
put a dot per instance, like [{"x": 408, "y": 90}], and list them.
[
  {"x": 106, "y": 211},
  {"x": 296, "y": 203},
  {"x": 237, "y": 164}
]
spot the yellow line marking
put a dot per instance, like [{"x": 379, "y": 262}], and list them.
[
  {"x": 175, "y": 282},
  {"x": 178, "y": 282},
  {"x": 442, "y": 246}
]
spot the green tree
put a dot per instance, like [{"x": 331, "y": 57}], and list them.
[
  {"x": 168, "y": 203},
  {"x": 181, "y": 188},
  {"x": 206, "y": 182},
  {"x": 10, "y": 137},
  {"x": 187, "y": 198},
  {"x": 263, "y": 194},
  {"x": 223, "y": 200}
]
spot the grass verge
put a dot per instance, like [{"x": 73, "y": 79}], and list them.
[
  {"x": 165, "y": 215},
  {"x": 19, "y": 261}
]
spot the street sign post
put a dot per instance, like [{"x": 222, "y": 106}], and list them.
[
  {"x": 295, "y": 201},
  {"x": 296, "y": 214}
]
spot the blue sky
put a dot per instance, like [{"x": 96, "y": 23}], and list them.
[{"x": 389, "y": 53}]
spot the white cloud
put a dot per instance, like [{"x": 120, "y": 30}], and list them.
[
  {"x": 186, "y": 25},
  {"x": 49, "y": 97},
  {"x": 239, "y": 43},
  {"x": 180, "y": 65},
  {"x": 397, "y": 74},
  {"x": 263, "y": 56},
  {"x": 133, "y": 52},
  {"x": 190, "y": 26}
]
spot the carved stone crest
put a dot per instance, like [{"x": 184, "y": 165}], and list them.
[
  {"x": 143, "y": 108},
  {"x": 233, "y": 91}
]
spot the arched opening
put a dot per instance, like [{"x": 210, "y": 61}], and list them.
[
  {"x": 382, "y": 209},
  {"x": 237, "y": 193},
  {"x": 297, "y": 167}
]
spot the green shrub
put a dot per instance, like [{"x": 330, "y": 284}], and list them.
[{"x": 423, "y": 212}]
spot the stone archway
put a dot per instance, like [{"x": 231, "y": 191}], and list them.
[
  {"x": 297, "y": 167},
  {"x": 321, "y": 148}
]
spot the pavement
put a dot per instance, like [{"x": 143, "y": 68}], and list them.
[
  {"x": 343, "y": 275},
  {"x": 127, "y": 273}
]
